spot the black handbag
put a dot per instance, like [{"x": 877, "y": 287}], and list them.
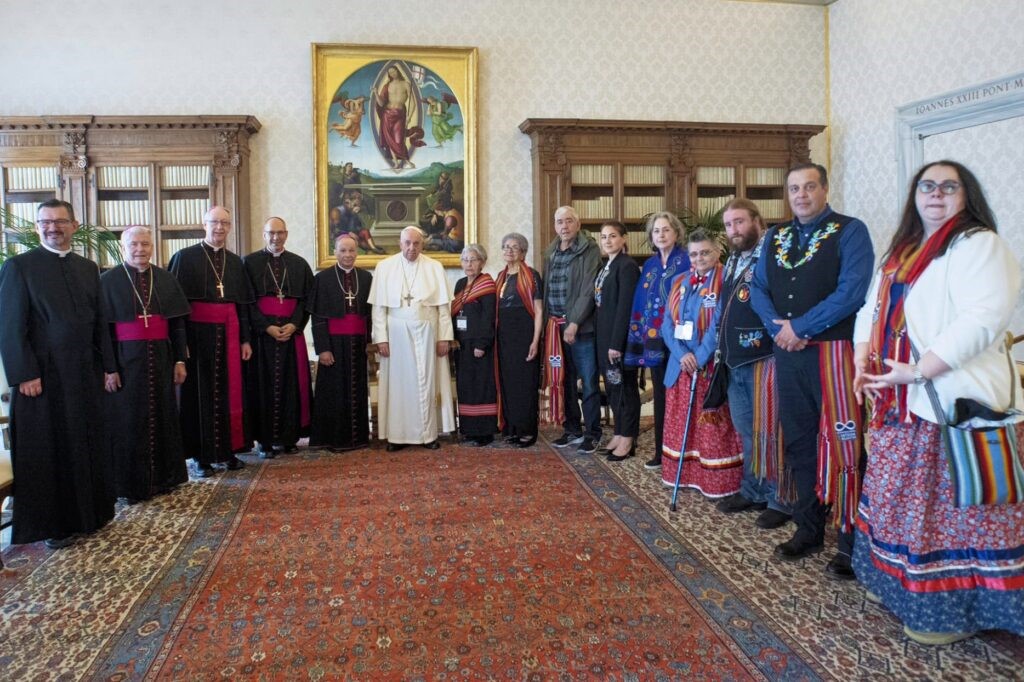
[{"x": 718, "y": 389}]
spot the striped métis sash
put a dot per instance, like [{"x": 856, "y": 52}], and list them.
[
  {"x": 768, "y": 448},
  {"x": 841, "y": 433}
]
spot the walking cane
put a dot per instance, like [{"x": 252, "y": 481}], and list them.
[{"x": 686, "y": 437}]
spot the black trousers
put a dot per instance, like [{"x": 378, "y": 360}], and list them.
[
  {"x": 658, "y": 379},
  {"x": 623, "y": 399}
]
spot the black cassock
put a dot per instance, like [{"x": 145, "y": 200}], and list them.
[
  {"x": 474, "y": 377},
  {"x": 278, "y": 393},
  {"x": 53, "y": 329},
  {"x": 142, "y": 417},
  {"x": 341, "y": 326},
  {"x": 212, "y": 407}
]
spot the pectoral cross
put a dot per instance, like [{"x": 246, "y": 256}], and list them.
[
  {"x": 145, "y": 317},
  {"x": 220, "y": 288},
  {"x": 280, "y": 296},
  {"x": 350, "y": 297},
  {"x": 408, "y": 299}
]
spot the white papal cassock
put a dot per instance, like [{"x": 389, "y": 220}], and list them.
[{"x": 411, "y": 313}]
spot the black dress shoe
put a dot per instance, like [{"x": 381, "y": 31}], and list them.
[
  {"x": 737, "y": 503},
  {"x": 526, "y": 442},
  {"x": 291, "y": 449},
  {"x": 839, "y": 568},
  {"x": 653, "y": 463},
  {"x": 59, "y": 543},
  {"x": 432, "y": 445},
  {"x": 612, "y": 457},
  {"x": 772, "y": 518},
  {"x": 204, "y": 471},
  {"x": 798, "y": 547},
  {"x": 394, "y": 447},
  {"x": 234, "y": 464}
]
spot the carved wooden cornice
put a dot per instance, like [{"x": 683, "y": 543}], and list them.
[
  {"x": 562, "y": 126},
  {"x": 248, "y": 124}
]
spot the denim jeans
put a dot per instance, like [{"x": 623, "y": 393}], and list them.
[
  {"x": 741, "y": 407},
  {"x": 580, "y": 360}
]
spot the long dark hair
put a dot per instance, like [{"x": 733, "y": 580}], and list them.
[{"x": 976, "y": 216}]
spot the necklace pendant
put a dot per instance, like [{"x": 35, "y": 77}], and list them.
[
  {"x": 280, "y": 296},
  {"x": 220, "y": 288}
]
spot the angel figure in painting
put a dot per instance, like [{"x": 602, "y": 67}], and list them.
[
  {"x": 393, "y": 100},
  {"x": 351, "y": 111},
  {"x": 444, "y": 130}
]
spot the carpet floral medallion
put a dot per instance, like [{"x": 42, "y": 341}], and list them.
[{"x": 452, "y": 564}]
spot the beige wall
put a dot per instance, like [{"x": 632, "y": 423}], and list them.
[{"x": 704, "y": 60}]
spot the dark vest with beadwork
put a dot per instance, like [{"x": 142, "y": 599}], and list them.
[
  {"x": 801, "y": 276},
  {"x": 742, "y": 337}
]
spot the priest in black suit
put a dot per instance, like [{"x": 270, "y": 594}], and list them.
[
  {"x": 58, "y": 357},
  {"x": 341, "y": 330},
  {"x": 212, "y": 397},
  {"x": 146, "y": 310},
  {"x": 278, "y": 389}
]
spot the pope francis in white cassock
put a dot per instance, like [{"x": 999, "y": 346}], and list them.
[{"x": 412, "y": 326}]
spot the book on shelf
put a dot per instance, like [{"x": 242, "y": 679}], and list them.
[
  {"x": 771, "y": 209},
  {"x": 592, "y": 175},
  {"x": 122, "y": 177},
  {"x": 594, "y": 209},
  {"x": 635, "y": 208},
  {"x": 184, "y": 176},
  {"x": 716, "y": 175},
  {"x": 124, "y": 212},
  {"x": 766, "y": 176},
  {"x": 643, "y": 175},
  {"x": 183, "y": 211},
  {"x": 22, "y": 178},
  {"x": 23, "y": 210},
  {"x": 636, "y": 243},
  {"x": 169, "y": 247},
  {"x": 713, "y": 204}
]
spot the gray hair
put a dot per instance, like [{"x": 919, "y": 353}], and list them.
[
  {"x": 519, "y": 239},
  {"x": 129, "y": 231},
  {"x": 673, "y": 222},
  {"x": 567, "y": 211},
  {"x": 413, "y": 229},
  {"x": 477, "y": 250},
  {"x": 345, "y": 235}
]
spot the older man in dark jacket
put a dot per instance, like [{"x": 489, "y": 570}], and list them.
[{"x": 571, "y": 263}]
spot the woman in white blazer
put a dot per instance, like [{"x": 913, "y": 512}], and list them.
[{"x": 949, "y": 284}]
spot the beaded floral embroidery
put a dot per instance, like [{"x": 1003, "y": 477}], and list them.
[{"x": 784, "y": 240}]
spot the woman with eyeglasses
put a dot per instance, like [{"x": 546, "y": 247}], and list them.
[
  {"x": 473, "y": 321},
  {"x": 712, "y": 459},
  {"x": 613, "y": 299},
  {"x": 644, "y": 347},
  {"x": 520, "y": 317},
  {"x": 937, "y": 312}
]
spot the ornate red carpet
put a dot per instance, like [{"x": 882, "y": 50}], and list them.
[{"x": 458, "y": 563}]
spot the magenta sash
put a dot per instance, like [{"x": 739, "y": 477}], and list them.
[
  {"x": 138, "y": 331},
  {"x": 350, "y": 325},
  {"x": 227, "y": 315},
  {"x": 270, "y": 305}
]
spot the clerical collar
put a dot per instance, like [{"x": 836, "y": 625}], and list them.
[
  {"x": 137, "y": 269},
  {"x": 275, "y": 255},
  {"x": 346, "y": 270},
  {"x": 49, "y": 248},
  {"x": 215, "y": 249}
]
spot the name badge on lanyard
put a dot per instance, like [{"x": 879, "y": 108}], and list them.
[
  {"x": 461, "y": 323},
  {"x": 684, "y": 331}
]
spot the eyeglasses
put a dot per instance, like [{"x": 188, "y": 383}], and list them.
[
  {"x": 470, "y": 260},
  {"x": 701, "y": 254},
  {"x": 60, "y": 222},
  {"x": 222, "y": 223},
  {"x": 510, "y": 247},
  {"x": 946, "y": 187}
]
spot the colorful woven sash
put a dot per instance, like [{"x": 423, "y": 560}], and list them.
[
  {"x": 840, "y": 433},
  {"x": 554, "y": 371},
  {"x": 767, "y": 446},
  {"x": 483, "y": 285}
]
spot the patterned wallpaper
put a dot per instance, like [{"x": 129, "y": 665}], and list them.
[
  {"x": 703, "y": 60},
  {"x": 887, "y": 54}
]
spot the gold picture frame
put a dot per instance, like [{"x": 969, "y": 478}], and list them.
[{"x": 394, "y": 133}]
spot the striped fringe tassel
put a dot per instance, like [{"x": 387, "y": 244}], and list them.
[{"x": 841, "y": 433}]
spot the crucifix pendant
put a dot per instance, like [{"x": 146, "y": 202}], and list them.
[
  {"x": 280, "y": 296},
  {"x": 145, "y": 317},
  {"x": 350, "y": 297},
  {"x": 220, "y": 288},
  {"x": 408, "y": 299}
]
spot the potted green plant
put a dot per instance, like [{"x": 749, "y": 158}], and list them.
[{"x": 91, "y": 241}]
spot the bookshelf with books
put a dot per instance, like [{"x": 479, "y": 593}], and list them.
[
  {"x": 162, "y": 172},
  {"x": 651, "y": 166},
  {"x": 22, "y": 189}
]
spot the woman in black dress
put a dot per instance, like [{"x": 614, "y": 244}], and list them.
[
  {"x": 520, "y": 320},
  {"x": 613, "y": 297},
  {"x": 473, "y": 321}
]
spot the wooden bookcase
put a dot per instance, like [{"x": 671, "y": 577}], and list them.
[
  {"x": 624, "y": 170},
  {"x": 159, "y": 171}
]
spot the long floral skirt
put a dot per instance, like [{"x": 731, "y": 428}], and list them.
[
  {"x": 937, "y": 567},
  {"x": 713, "y": 463}
]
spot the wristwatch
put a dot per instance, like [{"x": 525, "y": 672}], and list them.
[{"x": 918, "y": 377}]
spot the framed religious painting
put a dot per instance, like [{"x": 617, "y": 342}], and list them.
[{"x": 395, "y": 135}]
